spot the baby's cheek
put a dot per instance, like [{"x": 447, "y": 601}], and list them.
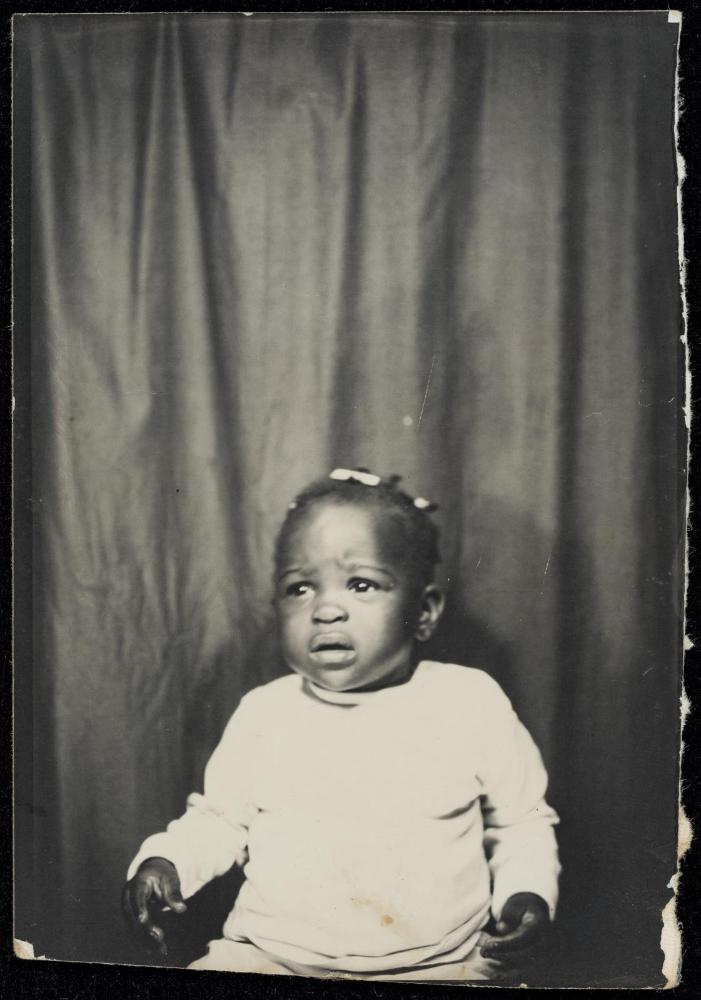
[
  {"x": 289, "y": 618},
  {"x": 289, "y": 638},
  {"x": 285, "y": 639}
]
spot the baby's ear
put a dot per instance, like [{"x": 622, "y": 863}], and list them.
[{"x": 430, "y": 610}]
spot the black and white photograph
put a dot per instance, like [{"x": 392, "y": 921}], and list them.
[{"x": 350, "y": 495}]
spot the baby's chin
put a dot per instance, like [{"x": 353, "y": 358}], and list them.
[{"x": 338, "y": 680}]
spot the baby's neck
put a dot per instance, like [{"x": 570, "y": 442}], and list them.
[
  {"x": 401, "y": 675},
  {"x": 354, "y": 696}
]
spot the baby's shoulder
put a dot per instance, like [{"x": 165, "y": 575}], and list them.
[
  {"x": 277, "y": 692},
  {"x": 262, "y": 707},
  {"x": 473, "y": 688}
]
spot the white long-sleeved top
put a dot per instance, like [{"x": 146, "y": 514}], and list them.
[{"x": 375, "y": 829}]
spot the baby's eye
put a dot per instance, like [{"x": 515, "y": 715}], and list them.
[
  {"x": 359, "y": 585},
  {"x": 298, "y": 589}
]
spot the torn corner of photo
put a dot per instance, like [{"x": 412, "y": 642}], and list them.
[{"x": 24, "y": 949}]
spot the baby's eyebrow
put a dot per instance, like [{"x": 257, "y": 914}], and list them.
[
  {"x": 354, "y": 567},
  {"x": 295, "y": 570}
]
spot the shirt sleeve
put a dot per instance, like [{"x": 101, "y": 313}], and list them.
[
  {"x": 212, "y": 834},
  {"x": 519, "y": 837}
]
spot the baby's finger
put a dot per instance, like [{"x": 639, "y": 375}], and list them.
[
  {"x": 485, "y": 938},
  {"x": 172, "y": 898},
  {"x": 158, "y": 938},
  {"x": 524, "y": 935},
  {"x": 131, "y": 904},
  {"x": 503, "y": 927},
  {"x": 143, "y": 895},
  {"x": 514, "y": 959}
]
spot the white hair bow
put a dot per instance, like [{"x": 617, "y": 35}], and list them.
[
  {"x": 359, "y": 475},
  {"x": 370, "y": 479}
]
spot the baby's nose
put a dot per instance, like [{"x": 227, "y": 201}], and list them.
[{"x": 327, "y": 611}]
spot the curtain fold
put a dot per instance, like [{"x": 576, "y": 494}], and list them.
[{"x": 258, "y": 247}]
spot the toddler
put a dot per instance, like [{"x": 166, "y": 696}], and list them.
[{"x": 387, "y": 811}]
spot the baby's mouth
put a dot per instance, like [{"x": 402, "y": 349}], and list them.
[{"x": 331, "y": 648}]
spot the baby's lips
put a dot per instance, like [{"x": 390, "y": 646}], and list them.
[{"x": 330, "y": 640}]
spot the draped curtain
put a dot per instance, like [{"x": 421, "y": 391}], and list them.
[{"x": 248, "y": 249}]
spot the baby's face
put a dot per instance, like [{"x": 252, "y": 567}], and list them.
[{"x": 343, "y": 601}]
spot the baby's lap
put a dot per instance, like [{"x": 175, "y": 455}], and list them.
[
  {"x": 238, "y": 956},
  {"x": 242, "y": 956}
]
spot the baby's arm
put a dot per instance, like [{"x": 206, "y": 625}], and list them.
[
  {"x": 518, "y": 833},
  {"x": 201, "y": 844}
]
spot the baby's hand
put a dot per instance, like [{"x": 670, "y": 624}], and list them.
[
  {"x": 520, "y": 928},
  {"x": 156, "y": 879}
]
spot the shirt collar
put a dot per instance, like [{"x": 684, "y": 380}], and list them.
[{"x": 349, "y": 699}]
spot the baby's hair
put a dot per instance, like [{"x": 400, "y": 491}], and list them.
[{"x": 410, "y": 516}]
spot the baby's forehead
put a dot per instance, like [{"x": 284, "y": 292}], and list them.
[{"x": 348, "y": 528}]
